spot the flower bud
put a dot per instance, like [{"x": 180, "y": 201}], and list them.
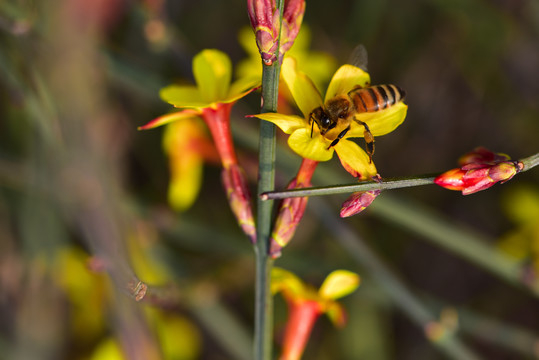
[
  {"x": 451, "y": 179},
  {"x": 291, "y": 210},
  {"x": 480, "y": 169},
  {"x": 239, "y": 198},
  {"x": 264, "y": 17},
  {"x": 290, "y": 213},
  {"x": 481, "y": 155},
  {"x": 358, "y": 202}
]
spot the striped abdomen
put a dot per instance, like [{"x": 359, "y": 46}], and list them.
[{"x": 376, "y": 98}]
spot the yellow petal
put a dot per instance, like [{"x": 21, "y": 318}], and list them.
[
  {"x": 247, "y": 40},
  {"x": 379, "y": 122},
  {"x": 185, "y": 162},
  {"x": 251, "y": 65},
  {"x": 314, "y": 148},
  {"x": 242, "y": 87},
  {"x": 338, "y": 284},
  {"x": 166, "y": 119},
  {"x": 178, "y": 336},
  {"x": 212, "y": 70},
  {"x": 345, "y": 79},
  {"x": 302, "y": 88},
  {"x": 336, "y": 314},
  {"x": 183, "y": 96},
  {"x": 355, "y": 160},
  {"x": 284, "y": 280},
  {"x": 287, "y": 123},
  {"x": 107, "y": 349}
]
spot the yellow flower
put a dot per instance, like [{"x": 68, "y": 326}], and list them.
[
  {"x": 306, "y": 304},
  {"x": 317, "y": 146},
  {"x": 211, "y": 99}
]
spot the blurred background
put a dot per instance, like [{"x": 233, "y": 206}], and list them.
[{"x": 85, "y": 215}]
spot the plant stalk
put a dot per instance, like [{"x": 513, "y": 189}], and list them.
[{"x": 266, "y": 175}]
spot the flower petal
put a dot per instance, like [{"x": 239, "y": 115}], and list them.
[
  {"x": 314, "y": 148},
  {"x": 165, "y": 119},
  {"x": 345, "y": 79},
  {"x": 336, "y": 314},
  {"x": 242, "y": 87},
  {"x": 286, "y": 281},
  {"x": 183, "y": 96},
  {"x": 380, "y": 122},
  {"x": 287, "y": 123},
  {"x": 302, "y": 88},
  {"x": 212, "y": 70},
  {"x": 355, "y": 160},
  {"x": 180, "y": 142},
  {"x": 338, "y": 284}
]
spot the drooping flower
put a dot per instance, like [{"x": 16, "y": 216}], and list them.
[
  {"x": 306, "y": 304},
  {"x": 212, "y": 99},
  {"x": 479, "y": 170},
  {"x": 305, "y": 137},
  {"x": 266, "y": 24}
]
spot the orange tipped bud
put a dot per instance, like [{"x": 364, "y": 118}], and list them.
[
  {"x": 264, "y": 17},
  {"x": 239, "y": 198},
  {"x": 480, "y": 169},
  {"x": 451, "y": 179},
  {"x": 358, "y": 202}
]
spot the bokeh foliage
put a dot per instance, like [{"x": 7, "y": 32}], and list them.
[{"x": 81, "y": 189}]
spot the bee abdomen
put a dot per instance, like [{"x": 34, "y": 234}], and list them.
[{"x": 376, "y": 98}]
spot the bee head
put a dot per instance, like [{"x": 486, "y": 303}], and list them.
[{"x": 321, "y": 117}]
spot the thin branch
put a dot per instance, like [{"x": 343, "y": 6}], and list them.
[
  {"x": 386, "y": 184},
  {"x": 530, "y": 162}
]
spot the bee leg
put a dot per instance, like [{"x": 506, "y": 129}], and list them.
[
  {"x": 339, "y": 137},
  {"x": 369, "y": 139}
]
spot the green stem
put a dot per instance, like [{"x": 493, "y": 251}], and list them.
[
  {"x": 350, "y": 188},
  {"x": 266, "y": 175},
  {"x": 386, "y": 184},
  {"x": 530, "y": 162}
]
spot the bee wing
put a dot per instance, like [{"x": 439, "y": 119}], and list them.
[
  {"x": 350, "y": 75},
  {"x": 358, "y": 57}
]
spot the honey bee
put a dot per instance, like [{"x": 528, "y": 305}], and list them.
[{"x": 339, "y": 111}]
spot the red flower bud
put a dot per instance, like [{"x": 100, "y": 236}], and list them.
[
  {"x": 451, "y": 179},
  {"x": 239, "y": 198},
  {"x": 480, "y": 169},
  {"x": 358, "y": 202},
  {"x": 291, "y": 209},
  {"x": 264, "y": 17}
]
